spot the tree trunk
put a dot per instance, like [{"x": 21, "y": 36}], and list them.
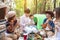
[
  {"x": 54, "y": 3},
  {"x": 44, "y": 6},
  {"x": 25, "y": 4},
  {"x": 36, "y": 6},
  {"x": 35, "y": 9}
]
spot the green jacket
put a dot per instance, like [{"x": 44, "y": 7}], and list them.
[{"x": 39, "y": 18}]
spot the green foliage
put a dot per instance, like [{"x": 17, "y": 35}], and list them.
[
  {"x": 19, "y": 7},
  {"x": 31, "y": 4}
]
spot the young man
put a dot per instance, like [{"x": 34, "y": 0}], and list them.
[
  {"x": 31, "y": 27},
  {"x": 24, "y": 20}
]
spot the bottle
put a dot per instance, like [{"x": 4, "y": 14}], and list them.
[{"x": 25, "y": 36}]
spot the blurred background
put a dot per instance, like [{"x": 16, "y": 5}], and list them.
[{"x": 36, "y": 6}]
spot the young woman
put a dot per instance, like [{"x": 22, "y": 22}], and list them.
[
  {"x": 31, "y": 27},
  {"x": 57, "y": 23},
  {"x": 11, "y": 25},
  {"x": 48, "y": 24},
  {"x": 49, "y": 21},
  {"x": 24, "y": 19}
]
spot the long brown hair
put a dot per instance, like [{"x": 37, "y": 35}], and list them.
[
  {"x": 2, "y": 13},
  {"x": 57, "y": 10}
]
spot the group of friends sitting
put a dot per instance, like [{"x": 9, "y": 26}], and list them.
[{"x": 12, "y": 27}]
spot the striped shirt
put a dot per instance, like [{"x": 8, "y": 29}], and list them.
[{"x": 2, "y": 27}]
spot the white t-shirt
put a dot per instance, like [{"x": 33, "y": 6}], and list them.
[{"x": 24, "y": 20}]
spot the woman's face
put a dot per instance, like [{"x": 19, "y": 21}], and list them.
[{"x": 48, "y": 16}]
